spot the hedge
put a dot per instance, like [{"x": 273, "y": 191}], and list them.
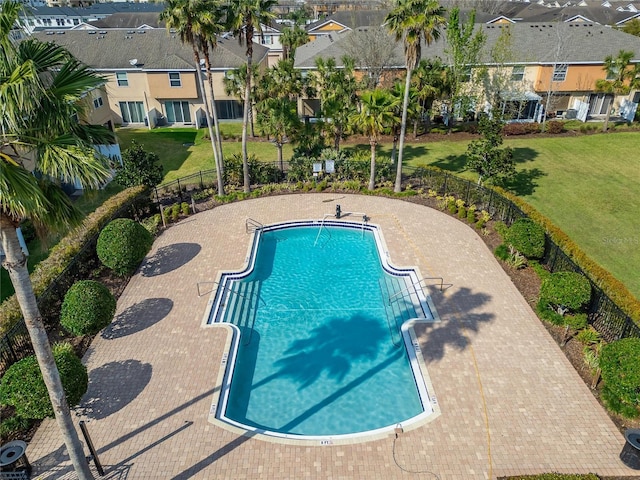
[
  {"x": 527, "y": 237},
  {"x": 613, "y": 287},
  {"x": 64, "y": 252}
]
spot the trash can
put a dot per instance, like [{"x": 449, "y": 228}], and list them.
[
  {"x": 630, "y": 454},
  {"x": 13, "y": 461}
]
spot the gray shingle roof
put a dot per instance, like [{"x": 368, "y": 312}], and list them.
[
  {"x": 154, "y": 49},
  {"x": 530, "y": 43},
  {"x": 100, "y": 9},
  {"x": 129, "y": 20},
  {"x": 354, "y": 18}
]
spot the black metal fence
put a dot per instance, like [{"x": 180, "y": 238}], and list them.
[{"x": 14, "y": 345}]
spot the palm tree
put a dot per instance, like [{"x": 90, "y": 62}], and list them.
[
  {"x": 618, "y": 72},
  {"x": 244, "y": 18},
  {"x": 41, "y": 144},
  {"x": 413, "y": 21},
  {"x": 209, "y": 27},
  {"x": 377, "y": 113},
  {"x": 186, "y": 18},
  {"x": 279, "y": 120},
  {"x": 337, "y": 90},
  {"x": 291, "y": 39},
  {"x": 431, "y": 82}
]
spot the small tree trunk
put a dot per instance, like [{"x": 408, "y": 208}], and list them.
[
  {"x": 372, "y": 176},
  {"x": 415, "y": 129},
  {"x": 606, "y": 119},
  {"x": 16, "y": 265},
  {"x": 565, "y": 337},
  {"x": 280, "y": 160}
]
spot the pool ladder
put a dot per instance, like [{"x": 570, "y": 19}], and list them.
[
  {"x": 252, "y": 225},
  {"x": 403, "y": 293}
]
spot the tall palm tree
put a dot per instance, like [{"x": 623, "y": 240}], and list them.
[
  {"x": 245, "y": 18},
  {"x": 291, "y": 39},
  {"x": 207, "y": 31},
  {"x": 618, "y": 73},
  {"x": 431, "y": 81},
  {"x": 413, "y": 21},
  {"x": 377, "y": 113},
  {"x": 186, "y": 18},
  {"x": 41, "y": 144}
]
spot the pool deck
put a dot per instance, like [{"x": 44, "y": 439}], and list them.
[{"x": 510, "y": 401}]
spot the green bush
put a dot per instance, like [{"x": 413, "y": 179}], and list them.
[
  {"x": 22, "y": 385},
  {"x": 566, "y": 289},
  {"x": 555, "y": 127},
  {"x": 87, "y": 308},
  {"x": 527, "y": 237},
  {"x": 122, "y": 245},
  {"x": 185, "y": 209},
  {"x": 621, "y": 376},
  {"x": 545, "y": 313}
]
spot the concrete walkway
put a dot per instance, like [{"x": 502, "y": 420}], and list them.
[{"x": 510, "y": 401}]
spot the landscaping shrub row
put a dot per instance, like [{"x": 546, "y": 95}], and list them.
[
  {"x": 611, "y": 286},
  {"x": 68, "y": 249},
  {"x": 552, "y": 126}
]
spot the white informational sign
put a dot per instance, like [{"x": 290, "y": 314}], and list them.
[
  {"x": 329, "y": 166},
  {"x": 582, "y": 109}
]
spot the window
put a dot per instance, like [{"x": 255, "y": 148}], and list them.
[
  {"x": 174, "y": 79},
  {"x": 60, "y": 22},
  {"x": 517, "y": 73},
  {"x": 122, "y": 79},
  {"x": 560, "y": 72},
  {"x": 97, "y": 102},
  {"x": 267, "y": 40},
  {"x": 76, "y": 21},
  {"x": 132, "y": 112},
  {"x": 178, "y": 112}
]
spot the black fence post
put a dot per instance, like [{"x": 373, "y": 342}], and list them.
[
  {"x": 446, "y": 176},
  {"x": 201, "y": 181},
  {"x": 94, "y": 453}
]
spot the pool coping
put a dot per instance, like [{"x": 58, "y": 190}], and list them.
[{"x": 420, "y": 299}]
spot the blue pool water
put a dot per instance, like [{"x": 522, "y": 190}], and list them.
[{"x": 320, "y": 351}]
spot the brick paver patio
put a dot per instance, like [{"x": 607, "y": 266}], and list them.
[{"x": 510, "y": 401}]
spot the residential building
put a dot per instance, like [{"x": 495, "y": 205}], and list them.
[
  {"x": 555, "y": 65},
  {"x": 151, "y": 76}
]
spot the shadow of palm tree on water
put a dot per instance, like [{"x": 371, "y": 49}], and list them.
[{"x": 346, "y": 351}]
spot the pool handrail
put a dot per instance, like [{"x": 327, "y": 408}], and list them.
[
  {"x": 402, "y": 292},
  {"x": 252, "y": 225}
]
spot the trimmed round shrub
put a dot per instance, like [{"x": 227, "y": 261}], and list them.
[
  {"x": 567, "y": 289},
  {"x": 87, "y": 308},
  {"x": 22, "y": 385},
  {"x": 502, "y": 252},
  {"x": 527, "y": 237},
  {"x": 621, "y": 376},
  {"x": 122, "y": 245}
]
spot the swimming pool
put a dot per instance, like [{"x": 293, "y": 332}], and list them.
[{"x": 318, "y": 349}]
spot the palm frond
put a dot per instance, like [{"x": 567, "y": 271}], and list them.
[
  {"x": 20, "y": 195},
  {"x": 61, "y": 214}
]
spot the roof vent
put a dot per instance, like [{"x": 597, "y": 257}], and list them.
[
  {"x": 50, "y": 33},
  {"x": 133, "y": 62},
  {"x": 59, "y": 33},
  {"x": 141, "y": 32},
  {"x": 103, "y": 32},
  {"x": 130, "y": 32},
  {"x": 91, "y": 32}
]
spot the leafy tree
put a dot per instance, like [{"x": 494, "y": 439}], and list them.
[
  {"x": 377, "y": 112},
  {"x": 464, "y": 44},
  {"x": 486, "y": 157},
  {"x": 139, "y": 167},
  {"x": 41, "y": 87},
  {"x": 413, "y": 21},
  {"x": 279, "y": 119},
  {"x": 372, "y": 50},
  {"x": 190, "y": 19},
  {"x": 632, "y": 27},
  {"x": 244, "y": 18},
  {"x": 619, "y": 78},
  {"x": 291, "y": 39}
]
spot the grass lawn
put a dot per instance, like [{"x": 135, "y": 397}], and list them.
[
  {"x": 587, "y": 185},
  {"x": 184, "y": 151}
]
